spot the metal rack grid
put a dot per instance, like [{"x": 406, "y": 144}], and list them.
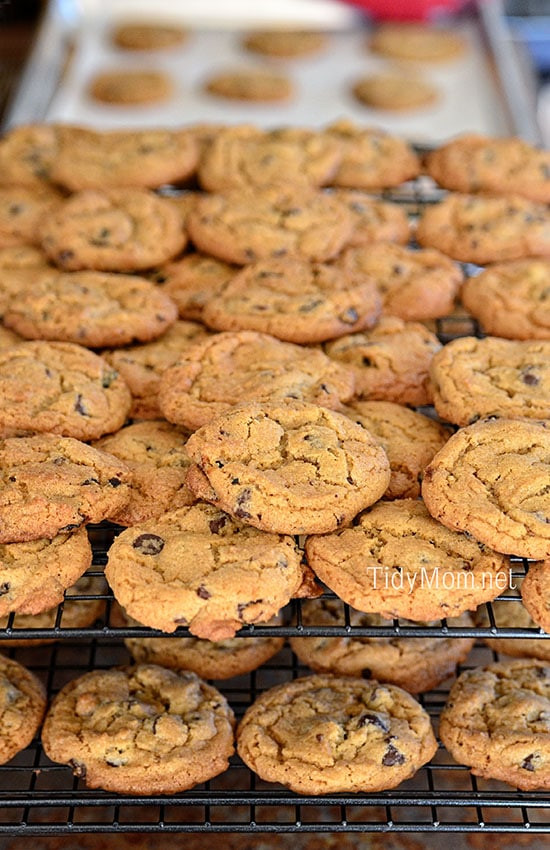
[{"x": 41, "y": 798}]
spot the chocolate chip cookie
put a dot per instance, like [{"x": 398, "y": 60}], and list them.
[
  {"x": 391, "y": 362},
  {"x": 397, "y": 561},
  {"x": 141, "y": 366},
  {"x": 94, "y": 309},
  {"x": 130, "y": 88},
  {"x": 414, "y": 285},
  {"x": 244, "y": 226},
  {"x": 491, "y": 480},
  {"x": 415, "y": 664},
  {"x": 22, "y": 706},
  {"x": 477, "y": 229},
  {"x": 119, "y": 230},
  {"x": 27, "y": 154},
  {"x": 61, "y": 388},
  {"x": 22, "y": 209},
  {"x": 291, "y": 468},
  {"x": 245, "y": 366},
  {"x": 496, "y": 722},
  {"x": 154, "y": 452},
  {"x": 326, "y": 734},
  {"x": 475, "y": 378},
  {"x": 409, "y": 439},
  {"x": 52, "y": 485},
  {"x": 475, "y": 163},
  {"x": 140, "y": 730},
  {"x": 373, "y": 220},
  {"x": 511, "y": 299},
  {"x": 94, "y": 159},
  {"x": 35, "y": 574},
  {"x": 371, "y": 158},
  {"x": 513, "y": 615},
  {"x": 254, "y": 84},
  {"x": 295, "y": 301},
  {"x": 535, "y": 593},
  {"x": 192, "y": 282},
  {"x": 204, "y": 570}
]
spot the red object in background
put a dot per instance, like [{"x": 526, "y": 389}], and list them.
[{"x": 408, "y": 10}]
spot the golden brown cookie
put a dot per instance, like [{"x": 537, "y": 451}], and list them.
[
  {"x": 415, "y": 664},
  {"x": 371, "y": 158},
  {"x": 476, "y": 378},
  {"x": 254, "y": 84},
  {"x": 140, "y": 730},
  {"x": 94, "y": 309},
  {"x": 295, "y": 301},
  {"x": 245, "y": 226},
  {"x": 373, "y": 220},
  {"x": 495, "y": 721},
  {"x": 414, "y": 285},
  {"x": 325, "y": 734},
  {"x": 131, "y": 88},
  {"x": 292, "y": 468},
  {"x": 397, "y": 561},
  {"x": 52, "y": 485},
  {"x": 535, "y": 593},
  {"x": 192, "y": 281},
  {"x": 147, "y": 35},
  {"x": 230, "y": 368},
  {"x": 22, "y": 706},
  {"x": 511, "y": 299},
  {"x": 395, "y": 91},
  {"x": 154, "y": 452},
  {"x": 244, "y": 157},
  {"x": 477, "y": 229},
  {"x": 513, "y": 615},
  {"x": 204, "y": 570},
  {"x": 409, "y": 439},
  {"x": 61, "y": 388},
  {"x": 285, "y": 43},
  {"x": 390, "y": 362},
  {"x": 22, "y": 208},
  {"x": 475, "y": 163},
  {"x": 491, "y": 480},
  {"x": 27, "y": 154},
  {"x": 417, "y": 41},
  {"x": 94, "y": 159},
  {"x": 116, "y": 230},
  {"x": 141, "y": 366}
]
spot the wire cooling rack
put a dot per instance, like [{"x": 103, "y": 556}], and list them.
[{"x": 38, "y": 797}]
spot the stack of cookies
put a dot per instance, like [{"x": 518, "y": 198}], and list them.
[{"x": 228, "y": 372}]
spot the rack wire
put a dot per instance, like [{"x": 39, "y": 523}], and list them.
[{"x": 38, "y": 797}]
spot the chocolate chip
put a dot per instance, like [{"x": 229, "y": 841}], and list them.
[
  {"x": 530, "y": 379},
  {"x": 249, "y": 254},
  {"x": 64, "y": 256},
  {"x": 280, "y": 252},
  {"x": 4, "y": 588},
  {"x": 59, "y": 460},
  {"x": 220, "y": 464},
  {"x": 148, "y": 544},
  {"x": 70, "y": 527},
  {"x": 79, "y": 769},
  {"x": 310, "y": 305},
  {"x": 12, "y": 478},
  {"x": 349, "y": 316},
  {"x": 203, "y": 592},
  {"x": 242, "y": 606},
  {"x": 366, "y": 673},
  {"x": 366, "y": 361},
  {"x": 215, "y": 525},
  {"x": 242, "y": 499},
  {"x": 181, "y": 621},
  {"x": 392, "y": 757},
  {"x": 235, "y": 481},
  {"x": 369, "y": 719},
  {"x": 90, "y": 481},
  {"x": 527, "y": 763},
  {"x": 115, "y": 482},
  {"x": 159, "y": 277},
  {"x": 324, "y": 388},
  {"x": 473, "y": 419},
  {"x": 108, "y": 379},
  {"x": 79, "y": 407}
]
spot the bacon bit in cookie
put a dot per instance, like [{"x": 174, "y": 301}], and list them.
[{"x": 149, "y": 544}]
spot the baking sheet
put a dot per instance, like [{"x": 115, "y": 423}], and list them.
[{"x": 469, "y": 99}]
